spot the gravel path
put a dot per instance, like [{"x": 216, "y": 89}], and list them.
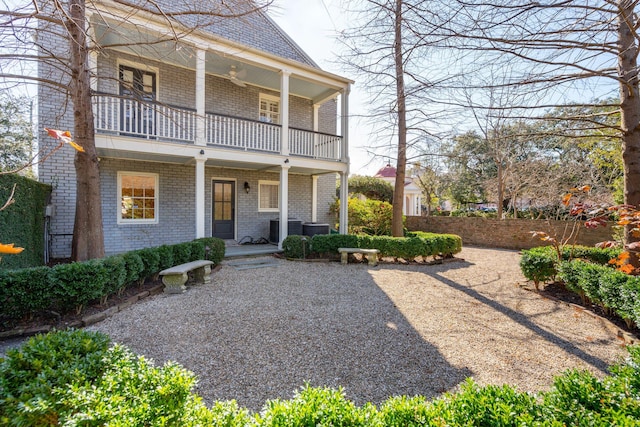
[{"x": 261, "y": 333}]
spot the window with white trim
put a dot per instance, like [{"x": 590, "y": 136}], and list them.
[
  {"x": 269, "y": 108},
  {"x": 268, "y": 192},
  {"x": 138, "y": 197}
]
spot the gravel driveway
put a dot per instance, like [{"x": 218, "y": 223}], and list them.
[{"x": 259, "y": 334}]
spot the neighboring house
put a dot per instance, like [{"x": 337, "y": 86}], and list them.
[
  {"x": 216, "y": 134},
  {"x": 412, "y": 205}
]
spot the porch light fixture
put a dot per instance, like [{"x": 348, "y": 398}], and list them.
[{"x": 247, "y": 188}]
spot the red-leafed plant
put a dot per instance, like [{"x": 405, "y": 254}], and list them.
[{"x": 598, "y": 216}]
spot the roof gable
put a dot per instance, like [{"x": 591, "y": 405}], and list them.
[{"x": 254, "y": 29}]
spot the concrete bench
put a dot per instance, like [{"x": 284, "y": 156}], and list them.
[
  {"x": 371, "y": 254},
  {"x": 175, "y": 277}
]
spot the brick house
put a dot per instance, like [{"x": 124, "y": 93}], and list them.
[{"x": 216, "y": 133}]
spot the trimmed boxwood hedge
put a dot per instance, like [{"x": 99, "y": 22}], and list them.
[
  {"x": 540, "y": 264},
  {"x": 80, "y": 378},
  {"x": 415, "y": 245},
  {"x": 64, "y": 287},
  {"x": 586, "y": 271}
]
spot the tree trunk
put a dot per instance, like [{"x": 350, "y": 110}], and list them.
[
  {"x": 397, "y": 228},
  {"x": 500, "y": 191},
  {"x": 629, "y": 112},
  {"x": 88, "y": 238}
]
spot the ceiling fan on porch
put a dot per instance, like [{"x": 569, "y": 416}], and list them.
[{"x": 236, "y": 76}]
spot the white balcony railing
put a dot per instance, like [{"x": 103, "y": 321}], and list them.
[{"x": 151, "y": 120}]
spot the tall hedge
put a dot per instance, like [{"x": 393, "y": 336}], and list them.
[{"x": 22, "y": 222}]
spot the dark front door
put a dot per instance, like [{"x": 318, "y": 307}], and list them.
[
  {"x": 138, "y": 91},
  {"x": 224, "y": 194}
]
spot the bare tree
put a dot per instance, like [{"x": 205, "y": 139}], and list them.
[
  {"x": 564, "y": 52},
  {"x": 26, "y": 34},
  {"x": 388, "y": 47}
]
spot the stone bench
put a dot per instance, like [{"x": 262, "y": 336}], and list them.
[
  {"x": 175, "y": 277},
  {"x": 371, "y": 254}
]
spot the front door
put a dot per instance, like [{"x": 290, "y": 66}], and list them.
[{"x": 224, "y": 195}]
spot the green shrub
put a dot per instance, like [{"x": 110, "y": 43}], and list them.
[
  {"x": 214, "y": 249},
  {"x": 313, "y": 407},
  {"x": 181, "y": 253},
  {"x": 132, "y": 392},
  {"x": 197, "y": 250},
  {"x": 369, "y": 216},
  {"x": 134, "y": 266},
  {"x": 569, "y": 275},
  {"x": 418, "y": 244},
  {"x": 150, "y": 260},
  {"x": 117, "y": 272},
  {"x": 536, "y": 263},
  {"x": 166, "y": 257},
  {"x": 24, "y": 292},
  {"x": 329, "y": 243},
  {"x": 403, "y": 411},
  {"x": 226, "y": 414},
  {"x": 604, "y": 285},
  {"x": 32, "y": 376},
  {"x": 78, "y": 283},
  {"x": 539, "y": 264},
  {"x": 295, "y": 246},
  {"x": 485, "y": 406},
  {"x": 74, "y": 378}
]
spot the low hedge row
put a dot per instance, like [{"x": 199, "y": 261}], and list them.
[
  {"x": 414, "y": 245},
  {"x": 79, "y": 378},
  {"x": 65, "y": 287},
  {"x": 541, "y": 264},
  {"x": 586, "y": 271},
  {"x": 605, "y": 286}
]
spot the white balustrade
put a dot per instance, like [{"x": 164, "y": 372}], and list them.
[{"x": 152, "y": 120}]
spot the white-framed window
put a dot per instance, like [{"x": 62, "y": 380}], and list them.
[
  {"x": 138, "y": 198},
  {"x": 269, "y": 108},
  {"x": 268, "y": 200}
]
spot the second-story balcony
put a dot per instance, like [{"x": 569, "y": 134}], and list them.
[{"x": 158, "y": 121}]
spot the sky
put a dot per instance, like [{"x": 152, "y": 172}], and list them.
[{"x": 312, "y": 24}]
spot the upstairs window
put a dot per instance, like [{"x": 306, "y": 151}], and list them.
[
  {"x": 269, "y": 109},
  {"x": 138, "y": 196}
]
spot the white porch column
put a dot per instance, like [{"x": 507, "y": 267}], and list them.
[
  {"x": 314, "y": 198},
  {"x": 93, "y": 70},
  {"x": 316, "y": 126},
  {"x": 283, "y": 196},
  {"x": 344, "y": 124},
  {"x": 284, "y": 112},
  {"x": 200, "y": 197},
  {"x": 316, "y": 115},
  {"x": 201, "y": 137},
  {"x": 344, "y": 203}
]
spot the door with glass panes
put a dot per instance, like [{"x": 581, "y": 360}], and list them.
[
  {"x": 137, "y": 111},
  {"x": 223, "y": 209}
]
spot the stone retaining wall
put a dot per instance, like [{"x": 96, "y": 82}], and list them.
[{"x": 507, "y": 233}]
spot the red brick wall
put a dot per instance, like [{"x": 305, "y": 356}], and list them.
[{"x": 507, "y": 233}]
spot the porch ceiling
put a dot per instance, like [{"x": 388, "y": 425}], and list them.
[
  {"x": 297, "y": 166},
  {"x": 132, "y": 40}
]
